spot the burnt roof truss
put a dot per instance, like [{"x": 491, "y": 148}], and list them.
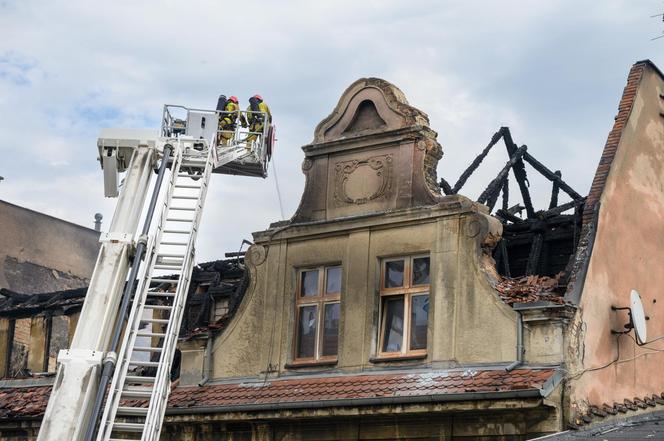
[{"x": 543, "y": 240}]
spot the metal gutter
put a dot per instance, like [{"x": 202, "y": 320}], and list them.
[
  {"x": 207, "y": 366},
  {"x": 519, "y": 344},
  {"x": 351, "y": 402}
]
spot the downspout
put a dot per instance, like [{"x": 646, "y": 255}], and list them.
[
  {"x": 207, "y": 363},
  {"x": 519, "y": 344}
]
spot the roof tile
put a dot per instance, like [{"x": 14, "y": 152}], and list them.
[{"x": 31, "y": 401}]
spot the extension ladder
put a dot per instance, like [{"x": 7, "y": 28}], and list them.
[{"x": 136, "y": 404}]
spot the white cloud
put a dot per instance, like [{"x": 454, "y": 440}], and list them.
[{"x": 553, "y": 71}]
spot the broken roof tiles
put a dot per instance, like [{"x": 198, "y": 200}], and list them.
[
  {"x": 27, "y": 402},
  {"x": 530, "y": 289}
]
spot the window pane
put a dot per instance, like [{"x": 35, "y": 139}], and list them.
[
  {"x": 421, "y": 271},
  {"x": 333, "y": 280},
  {"x": 392, "y": 324},
  {"x": 306, "y": 336},
  {"x": 419, "y": 317},
  {"x": 394, "y": 274},
  {"x": 331, "y": 329},
  {"x": 309, "y": 283}
]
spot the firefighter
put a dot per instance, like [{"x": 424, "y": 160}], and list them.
[
  {"x": 229, "y": 114},
  {"x": 257, "y": 120}
]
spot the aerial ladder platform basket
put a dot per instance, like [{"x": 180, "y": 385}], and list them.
[{"x": 114, "y": 381}]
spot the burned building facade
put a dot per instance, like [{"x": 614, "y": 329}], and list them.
[{"x": 392, "y": 307}]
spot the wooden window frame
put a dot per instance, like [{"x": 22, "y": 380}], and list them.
[
  {"x": 320, "y": 301},
  {"x": 407, "y": 292}
]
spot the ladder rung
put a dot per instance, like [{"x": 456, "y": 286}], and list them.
[
  {"x": 162, "y": 307},
  {"x": 177, "y": 231},
  {"x": 160, "y": 294},
  {"x": 149, "y": 334},
  {"x": 175, "y": 243},
  {"x": 179, "y": 256},
  {"x": 186, "y": 186},
  {"x": 157, "y": 321},
  {"x": 138, "y": 379},
  {"x": 184, "y": 197},
  {"x": 166, "y": 266},
  {"x": 172, "y": 281},
  {"x": 146, "y": 349},
  {"x": 128, "y": 427},
  {"x": 187, "y": 175},
  {"x": 144, "y": 363},
  {"x": 131, "y": 411},
  {"x": 182, "y": 208},
  {"x": 136, "y": 393},
  {"x": 171, "y": 219}
]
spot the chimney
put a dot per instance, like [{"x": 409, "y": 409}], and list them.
[{"x": 98, "y": 218}]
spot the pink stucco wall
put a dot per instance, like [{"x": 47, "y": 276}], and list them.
[{"x": 628, "y": 254}]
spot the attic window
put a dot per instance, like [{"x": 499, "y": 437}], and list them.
[
  {"x": 404, "y": 312},
  {"x": 317, "y": 314}
]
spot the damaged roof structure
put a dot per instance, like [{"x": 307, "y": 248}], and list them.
[{"x": 393, "y": 307}]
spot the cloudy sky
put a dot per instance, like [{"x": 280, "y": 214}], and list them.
[{"x": 551, "y": 70}]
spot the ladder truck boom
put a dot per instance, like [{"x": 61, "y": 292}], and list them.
[{"x": 122, "y": 301}]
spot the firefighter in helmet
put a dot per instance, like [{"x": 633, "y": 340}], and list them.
[
  {"x": 257, "y": 113},
  {"x": 229, "y": 114}
]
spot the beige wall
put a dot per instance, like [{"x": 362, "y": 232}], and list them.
[
  {"x": 468, "y": 324},
  {"x": 33, "y": 244},
  {"x": 627, "y": 254}
]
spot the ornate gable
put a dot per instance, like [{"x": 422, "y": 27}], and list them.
[{"x": 373, "y": 153}]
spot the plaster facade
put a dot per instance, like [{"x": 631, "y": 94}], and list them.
[
  {"x": 367, "y": 199},
  {"x": 627, "y": 251}
]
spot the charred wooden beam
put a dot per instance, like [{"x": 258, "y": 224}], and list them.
[
  {"x": 551, "y": 176},
  {"x": 519, "y": 172},
  {"x": 477, "y": 161},
  {"x": 505, "y": 257},
  {"x": 502, "y": 213},
  {"x": 554, "y": 191},
  {"x": 493, "y": 197},
  {"x": 506, "y": 194},
  {"x": 562, "y": 208},
  {"x": 535, "y": 253},
  {"x": 497, "y": 183},
  {"x": 445, "y": 186},
  {"x": 515, "y": 209}
]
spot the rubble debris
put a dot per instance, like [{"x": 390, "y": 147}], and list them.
[{"x": 532, "y": 288}]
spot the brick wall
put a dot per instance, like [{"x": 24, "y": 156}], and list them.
[{"x": 611, "y": 146}]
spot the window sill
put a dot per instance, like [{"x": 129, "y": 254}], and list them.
[
  {"x": 306, "y": 364},
  {"x": 388, "y": 358}
]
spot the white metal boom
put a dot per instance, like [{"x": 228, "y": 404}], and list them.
[{"x": 191, "y": 147}]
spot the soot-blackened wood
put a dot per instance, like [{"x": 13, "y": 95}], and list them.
[
  {"x": 493, "y": 197},
  {"x": 506, "y": 260},
  {"x": 519, "y": 172},
  {"x": 506, "y": 194},
  {"x": 445, "y": 186},
  {"x": 551, "y": 176},
  {"x": 535, "y": 253},
  {"x": 554, "y": 191},
  {"x": 497, "y": 182},
  {"x": 477, "y": 161},
  {"x": 504, "y": 214},
  {"x": 555, "y": 211}
]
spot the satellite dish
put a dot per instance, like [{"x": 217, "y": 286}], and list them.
[{"x": 638, "y": 317}]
